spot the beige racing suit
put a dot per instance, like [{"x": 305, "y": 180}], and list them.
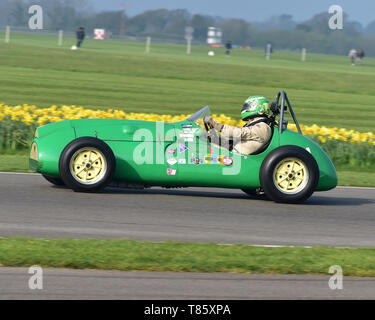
[{"x": 247, "y": 140}]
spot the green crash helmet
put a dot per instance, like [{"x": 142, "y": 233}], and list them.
[{"x": 255, "y": 106}]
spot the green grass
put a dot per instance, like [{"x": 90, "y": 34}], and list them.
[
  {"x": 347, "y": 176},
  {"x": 325, "y": 90},
  {"x": 356, "y": 178},
  {"x": 130, "y": 255},
  {"x": 14, "y": 163}
]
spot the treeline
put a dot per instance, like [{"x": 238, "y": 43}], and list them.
[{"x": 282, "y": 31}]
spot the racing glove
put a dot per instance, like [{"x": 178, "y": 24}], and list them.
[{"x": 212, "y": 124}]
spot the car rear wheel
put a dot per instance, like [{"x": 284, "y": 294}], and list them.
[
  {"x": 55, "y": 181},
  {"x": 289, "y": 174},
  {"x": 87, "y": 164}
]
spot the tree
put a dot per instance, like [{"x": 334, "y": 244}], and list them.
[
  {"x": 236, "y": 30},
  {"x": 177, "y": 22},
  {"x": 149, "y": 22},
  {"x": 283, "y": 22},
  {"x": 370, "y": 28},
  {"x": 18, "y": 13},
  {"x": 201, "y": 24},
  {"x": 110, "y": 21},
  {"x": 319, "y": 24}
]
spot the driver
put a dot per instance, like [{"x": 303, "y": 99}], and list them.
[{"x": 255, "y": 133}]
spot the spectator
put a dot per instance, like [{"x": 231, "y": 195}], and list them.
[
  {"x": 80, "y": 36},
  {"x": 352, "y": 56},
  {"x": 360, "y": 55},
  {"x": 228, "y": 47}
]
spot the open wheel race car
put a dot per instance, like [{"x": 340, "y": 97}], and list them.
[{"x": 90, "y": 154}]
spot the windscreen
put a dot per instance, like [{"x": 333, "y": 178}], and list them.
[{"x": 198, "y": 116}]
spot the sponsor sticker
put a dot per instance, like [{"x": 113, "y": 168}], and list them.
[
  {"x": 211, "y": 159},
  {"x": 182, "y": 148},
  {"x": 196, "y": 160},
  {"x": 171, "y": 151},
  {"x": 181, "y": 161},
  {"x": 216, "y": 159},
  {"x": 187, "y": 126},
  {"x": 228, "y": 161},
  {"x": 171, "y": 172},
  {"x": 191, "y": 131},
  {"x": 172, "y": 161}
]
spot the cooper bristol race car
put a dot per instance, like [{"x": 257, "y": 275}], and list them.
[{"x": 90, "y": 154}]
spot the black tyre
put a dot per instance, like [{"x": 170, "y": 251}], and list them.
[
  {"x": 289, "y": 174},
  {"x": 87, "y": 164},
  {"x": 55, "y": 181}
]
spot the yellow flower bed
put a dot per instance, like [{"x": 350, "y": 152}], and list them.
[{"x": 32, "y": 115}]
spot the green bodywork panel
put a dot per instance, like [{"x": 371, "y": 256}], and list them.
[
  {"x": 52, "y": 140},
  {"x": 172, "y": 155},
  {"x": 327, "y": 171}
]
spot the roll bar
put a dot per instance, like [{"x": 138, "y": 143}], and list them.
[{"x": 278, "y": 107}]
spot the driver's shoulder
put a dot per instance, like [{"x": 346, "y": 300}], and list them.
[{"x": 260, "y": 129}]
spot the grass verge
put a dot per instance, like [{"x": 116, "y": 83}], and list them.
[
  {"x": 19, "y": 163},
  {"x": 325, "y": 90},
  {"x": 131, "y": 255},
  {"x": 356, "y": 178},
  {"x": 14, "y": 162}
]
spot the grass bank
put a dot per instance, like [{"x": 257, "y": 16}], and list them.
[
  {"x": 130, "y": 255},
  {"x": 325, "y": 90}
]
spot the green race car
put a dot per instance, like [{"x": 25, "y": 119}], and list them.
[{"x": 90, "y": 154}]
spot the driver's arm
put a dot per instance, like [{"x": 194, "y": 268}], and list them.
[
  {"x": 232, "y": 132},
  {"x": 226, "y": 130}
]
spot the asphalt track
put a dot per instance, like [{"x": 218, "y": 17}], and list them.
[
  {"x": 64, "y": 284},
  {"x": 30, "y": 206}
]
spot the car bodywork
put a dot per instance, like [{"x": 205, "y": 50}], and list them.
[{"x": 171, "y": 154}]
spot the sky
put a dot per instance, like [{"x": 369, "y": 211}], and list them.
[{"x": 362, "y": 11}]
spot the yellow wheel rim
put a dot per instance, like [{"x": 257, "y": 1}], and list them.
[
  {"x": 291, "y": 176},
  {"x": 88, "y": 166}
]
